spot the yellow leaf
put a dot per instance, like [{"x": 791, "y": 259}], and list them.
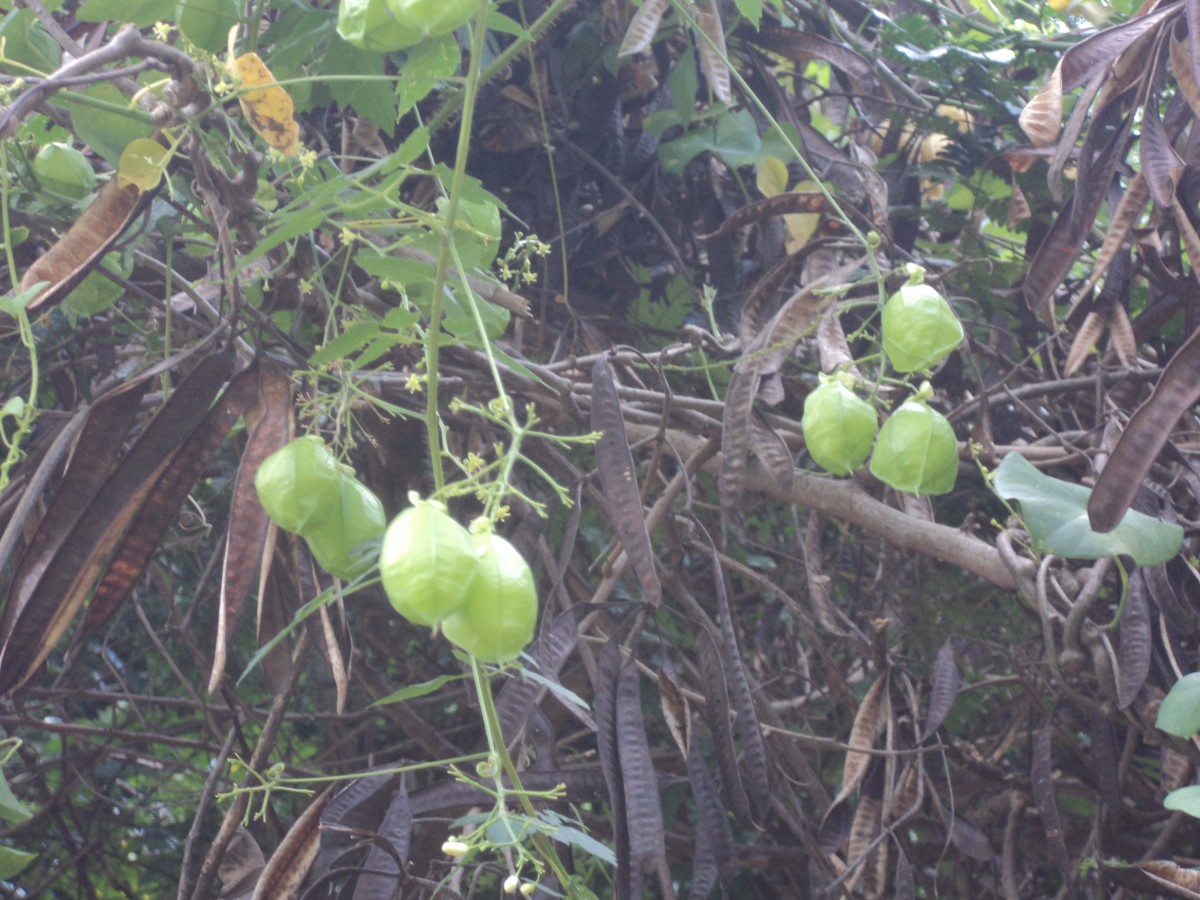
[
  {"x": 267, "y": 107},
  {"x": 771, "y": 177},
  {"x": 141, "y": 164},
  {"x": 800, "y": 226}
]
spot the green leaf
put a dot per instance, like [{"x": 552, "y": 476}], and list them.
[
  {"x": 370, "y": 95},
  {"x": 11, "y": 809},
  {"x": 573, "y": 837},
  {"x": 416, "y": 690},
  {"x": 751, "y": 10},
  {"x": 26, "y": 42},
  {"x": 206, "y": 23},
  {"x": 1055, "y": 512},
  {"x": 105, "y": 130},
  {"x": 1179, "y": 713},
  {"x": 685, "y": 82},
  {"x": 1184, "y": 799},
  {"x": 14, "y": 304},
  {"x": 13, "y": 861},
  {"x": 358, "y": 335},
  {"x": 736, "y": 139},
  {"x": 675, "y": 155},
  {"x": 142, "y": 13},
  {"x": 427, "y": 65}
]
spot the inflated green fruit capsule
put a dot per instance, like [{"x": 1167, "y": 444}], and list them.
[
  {"x": 919, "y": 327},
  {"x": 433, "y": 17},
  {"x": 298, "y": 484},
  {"x": 427, "y": 563},
  {"x": 839, "y": 427},
  {"x": 500, "y": 614},
  {"x": 63, "y": 170},
  {"x": 371, "y": 25},
  {"x": 356, "y": 517},
  {"x": 916, "y": 451}
]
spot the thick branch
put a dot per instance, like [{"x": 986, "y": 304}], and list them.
[{"x": 847, "y": 501}]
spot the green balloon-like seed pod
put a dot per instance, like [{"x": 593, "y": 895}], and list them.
[
  {"x": 839, "y": 427},
  {"x": 427, "y": 563},
  {"x": 500, "y": 614},
  {"x": 916, "y": 451},
  {"x": 919, "y": 327}
]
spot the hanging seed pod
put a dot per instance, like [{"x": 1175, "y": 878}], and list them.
[
  {"x": 919, "y": 327},
  {"x": 356, "y": 517},
  {"x": 916, "y": 451},
  {"x": 500, "y": 614},
  {"x": 427, "y": 563},
  {"x": 298, "y": 485},
  {"x": 839, "y": 427}
]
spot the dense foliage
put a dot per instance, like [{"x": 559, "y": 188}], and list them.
[{"x": 583, "y": 277}]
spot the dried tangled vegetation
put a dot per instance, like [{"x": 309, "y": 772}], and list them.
[{"x": 785, "y": 684}]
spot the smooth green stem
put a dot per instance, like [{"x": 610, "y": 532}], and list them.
[
  {"x": 495, "y": 739},
  {"x": 433, "y": 341}
]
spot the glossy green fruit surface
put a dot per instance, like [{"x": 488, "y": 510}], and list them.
[
  {"x": 500, "y": 614},
  {"x": 839, "y": 427},
  {"x": 299, "y": 484},
  {"x": 427, "y": 563}
]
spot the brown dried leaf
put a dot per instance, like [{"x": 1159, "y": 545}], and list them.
[
  {"x": 1126, "y": 215},
  {"x": 1085, "y": 341},
  {"x": 161, "y": 507},
  {"x": 716, "y": 714},
  {"x": 676, "y": 712},
  {"x": 74, "y": 254},
  {"x": 289, "y": 864},
  {"x": 241, "y": 866},
  {"x": 1041, "y": 778},
  {"x": 792, "y": 203},
  {"x": 1104, "y": 762},
  {"x": 384, "y": 875},
  {"x": 832, "y": 345},
  {"x": 1181, "y": 67},
  {"x": 1161, "y": 878},
  {"x": 714, "y": 850},
  {"x": 1041, "y": 119},
  {"x": 1144, "y": 437},
  {"x": 608, "y": 673},
  {"x": 772, "y": 451},
  {"x": 643, "y": 26},
  {"x": 754, "y": 749},
  {"x": 270, "y": 424},
  {"x": 820, "y": 595},
  {"x": 1134, "y": 651},
  {"x": 869, "y": 722},
  {"x": 712, "y": 52},
  {"x": 615, "y": 463},
  {"x": 802, "y": 46},
  {"x": 864, "y": 828},
  {"x": 1121, "y": 338},
  {"x": 1162, "y": 167},
  {"x": 647, "y": 839},
  {"x": 83, "y": 555},
  {"x": 946, "y": 680},
  {"x": 1176, "y": 770}
]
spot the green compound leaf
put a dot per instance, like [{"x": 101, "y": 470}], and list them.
[
  {"x": 1055, "y": 512},
  {"x": 1180, "y": 711},
  {"x": 1186, "y": 799}
]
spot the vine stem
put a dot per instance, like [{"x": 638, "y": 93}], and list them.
[
  {"x": 495, "y": 739},
  {"x": 433, "y": 341}
]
